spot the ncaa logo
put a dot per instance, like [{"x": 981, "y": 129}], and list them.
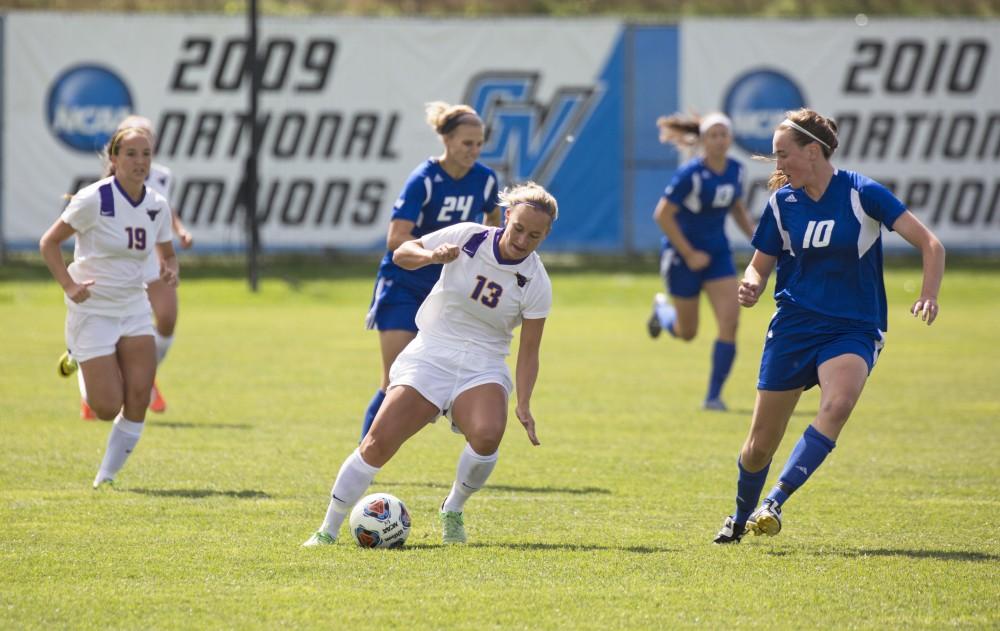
[
  {"x": 756, "y": 103},
  {"x": 85, "y": 105}
]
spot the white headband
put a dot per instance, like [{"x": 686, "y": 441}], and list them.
[
  {"x": 714, "y": 119},
  {"x": 797, "y": 127}
]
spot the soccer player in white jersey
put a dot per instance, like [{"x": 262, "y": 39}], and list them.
[
  {"x": 492, "y": 281},
  {"x": 442, "y": 191},
  {"x": 695, "y": 254},
  {"x": 162, "y": 295},
  {"x": 822, "y": 229},
  {"x": 109, "y": 327}
]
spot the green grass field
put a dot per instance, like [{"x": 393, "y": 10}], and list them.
[{"x": 606, "y": 525}]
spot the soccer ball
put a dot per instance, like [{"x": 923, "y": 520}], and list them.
[{"x": 380, "y": 520}]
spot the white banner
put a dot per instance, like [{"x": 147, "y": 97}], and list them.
[
  {"x": 342, "y": 110},
  {"x": 917, "y": 103}
]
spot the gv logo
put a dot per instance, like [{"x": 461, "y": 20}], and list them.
[{"x": 527, "y": 139}]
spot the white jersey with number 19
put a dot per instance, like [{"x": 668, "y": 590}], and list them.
[
  {"x": 481, "y": 297},
  {"x": 114, "y": 237}
]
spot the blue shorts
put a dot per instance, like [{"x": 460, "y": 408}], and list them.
[
  {"x": 394, "y": 306},
  {"x": 798, "y": 341},
  {"x": 684, "y": 283}
]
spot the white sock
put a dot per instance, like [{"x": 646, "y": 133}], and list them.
[
  {"x": 354, "y": 478},
  {"x": 83, "y": 386},
  {"x": 473, "y": 471},
  {"x": 162, "y": 345},
  {"x": 122, "y": 440}
]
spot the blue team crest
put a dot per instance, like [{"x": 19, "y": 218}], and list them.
[{"x": 527, "y": 139}]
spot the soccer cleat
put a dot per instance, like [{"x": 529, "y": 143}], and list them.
[
  {"x": 731, "y": 532},
  {"x": 653, "y": 324},
  {"x": 319, "y": 538},
  {"x": 156, "y": 401},
  {"x": 104, "y": 483},
  {"x": 715, "y": 405},
  {"x": 766, "y": 520},
  {"x": 67, "y": 365},
  {"x": 452, "y": 527},
  {"x": 86, "y": 413}
]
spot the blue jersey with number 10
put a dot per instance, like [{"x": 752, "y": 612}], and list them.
[
  {"x": 432, "y": 200},
  {"x": 704, "y": 198},
  {"x": 830, "y": 251}
]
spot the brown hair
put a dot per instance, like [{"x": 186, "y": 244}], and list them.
[
  {"x": 680, "y": 130},
  {"x": 444, "y": 118},
  {"x": 533, "y": 195},
  {"x": 823, "y": 128},
  {"x": 114, "y": 146}
]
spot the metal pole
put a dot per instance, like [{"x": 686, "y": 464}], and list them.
[{"x": 250, "y": 205}]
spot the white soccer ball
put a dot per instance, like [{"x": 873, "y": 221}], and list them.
[{"x": 380, "y": 520}]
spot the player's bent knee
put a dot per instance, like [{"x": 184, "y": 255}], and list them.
[{"x": 838, "y": 408}]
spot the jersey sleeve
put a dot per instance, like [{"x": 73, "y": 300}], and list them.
[
  {"x": 767, "y": 237},
  {"x": 416, "y": 193},
  {"x": 455, "y": 234},
  {"x": 538, "y": 298},
  {"x": 880, "y": 204},
  {"x": 81, "y": 212},
  {"x": 492, "y": 196},
  {"x": 740, "y": 178},
  {"x": 679, "y": 187}
]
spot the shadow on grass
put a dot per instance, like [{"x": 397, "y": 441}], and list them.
[
  {"x": 940, "y": 555},
  {"x": 183, "y": 425},
  {"x": 556, "y": 547},
  {"x": 201, "y": 493},
  {"x": 585, "y": 490}
]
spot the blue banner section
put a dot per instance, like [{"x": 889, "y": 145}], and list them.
[
  {"x": 589, "y": 184},
  {"x": 616, "y": 168},
  {"x": 655, "y": 86}
]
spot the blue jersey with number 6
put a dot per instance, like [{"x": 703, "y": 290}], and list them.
[
  {"x": 432, "y": 200},
  {"x": 830, "y": 251}
]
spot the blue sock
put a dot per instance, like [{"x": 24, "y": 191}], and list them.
[
  {"x": 370, "y": 413},
  {"x": 667, "y": 315},
  {"x": 807, "y": 456},
  {"x": 748, "y": 489},
  {"x": 723, "y": 354}
]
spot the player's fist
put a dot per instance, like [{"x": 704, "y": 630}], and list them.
[
  {"x": 79, "y": 292},
  {"x": 186, "y": 239},
  {"x": 748, "y": 293},
  {"x": 445, "y": 253},
  {"x": 697, "y": 260}
]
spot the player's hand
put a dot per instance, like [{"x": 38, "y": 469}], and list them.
[
  {"x": 926, "y": 309},
  {"x": 697, "y": 260},
  {"x": 445, "y": 253},
  {"x": 186, "y": 239},
  {"x": 79, "y": 292},
  {"x": 748, "y": 293},
  {"x": 528, "y": 421},
  {"x": 168, "y": 276}
]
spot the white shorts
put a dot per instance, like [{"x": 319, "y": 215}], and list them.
[
  {"x": 440, "y": 373},
  {"x": 90, "y": 335}
]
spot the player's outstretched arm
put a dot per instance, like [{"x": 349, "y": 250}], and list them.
[
  {"x": 755, "y": 278},
  {"x": 919, "y": 236},
  {"x": 527, "y": 373},
  {"x": 169, "y": 266},
  {"x": 413, "y": 255}
]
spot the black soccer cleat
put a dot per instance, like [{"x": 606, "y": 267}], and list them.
[{"x": 731, "y": 532}]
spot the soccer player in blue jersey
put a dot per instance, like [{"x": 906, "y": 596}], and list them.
[
  {"x": 822, "y": 229},
  {"x": 692, "y": 214},
  {"x": 442, "y": 191}
]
